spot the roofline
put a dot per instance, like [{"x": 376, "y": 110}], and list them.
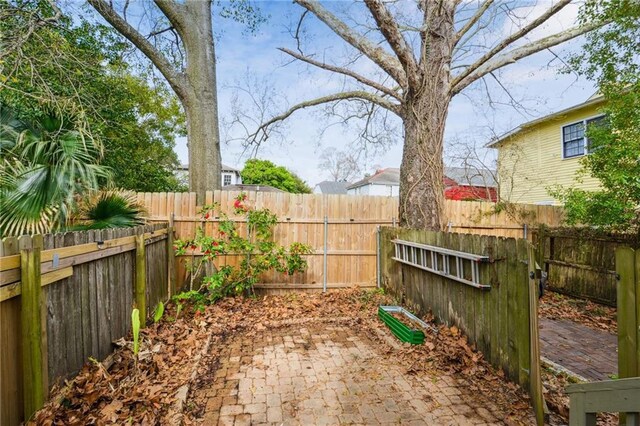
[
  {"x": 510, "y": 133},
  {"x": 223, "y": 168},
  {"x": 358, "y": 184}
]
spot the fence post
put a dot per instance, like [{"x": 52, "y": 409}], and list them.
[
  {"x": 171, "y": 259},
  {"x": 31, "y": 306},
  {"x": 535, "y": 378},
  {"x": 540, "y": 236},
  {"x": 637, "y": 322},
  {"x": 324, "y": 255},
  {"x": 378, "y": 265},
  {"x": 141, "y": 277},
  {"x": 627, "y": 296}
]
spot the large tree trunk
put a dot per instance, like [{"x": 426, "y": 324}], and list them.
[
  {"x": 200, "y": 101},
  {"x": 421, "y": 172},
  {"x": 424, "y": 116}
]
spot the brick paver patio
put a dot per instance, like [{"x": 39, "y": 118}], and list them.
[
  {"x": 324, "y": 374},
  {"x": 590, "y": 353}
]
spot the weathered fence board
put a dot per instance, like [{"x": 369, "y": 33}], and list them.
[
  {"x": 628, "y": 269},
  {"x": 497, "y": 320},
  {"x": 581, "y": 262},
  {"x": 81, "y": 313}
]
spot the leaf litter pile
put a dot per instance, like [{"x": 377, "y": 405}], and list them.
[
  {"x": 584, "y": 312},
  {"x": 121, "y": 390}
]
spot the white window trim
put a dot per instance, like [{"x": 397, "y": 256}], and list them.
[{"x": 584, "y": 138}]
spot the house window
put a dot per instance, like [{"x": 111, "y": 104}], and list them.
[
  {"x": 598, "y": 121},
  {"x": 574, "y": 141},
  {"x": 226, "y": 180}
]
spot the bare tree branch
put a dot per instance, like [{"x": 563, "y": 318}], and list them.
[
  {"x": 473, "y": 20},
  {"x": 343, "y": 71},
  {"x": 262, "y": 132},
  {"x": 511, "y": 39},
  {"x": 298, "y": 28},
  {"x": 377, "y": 54},
  {"x": 158, "y": 32},
  {"x": 175, "y": 78},
  {"x": 521, "y": 52},
  {"x": 389, "y": 28}
]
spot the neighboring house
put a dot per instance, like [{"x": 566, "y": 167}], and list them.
[
  {"x": 460, "y": 184},
  {"x": 384, "y": 182},
  {"x": 331, "y": 187},
  {"x": 251, "y": 187},
  {"x": 230, "y": 176},
  {"x": 545, "y": 153}
]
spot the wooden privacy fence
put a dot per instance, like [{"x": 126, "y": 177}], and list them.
[
  {"x": 628, "y": 274},
  {"x": 66, "y": 297},
  {"x": 491, "y": 296},
  {"x": 340, "y": 228},
  {"x": 581, "y": 262}
]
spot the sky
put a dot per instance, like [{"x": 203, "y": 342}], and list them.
[{"x": 535, "y": 83}]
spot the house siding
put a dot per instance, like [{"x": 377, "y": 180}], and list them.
[
  {"x": 375, "y": 189},
  {"x": 531, "y": 161}
]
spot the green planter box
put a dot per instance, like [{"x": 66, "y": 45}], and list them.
[{"x": 398, "y": 328}]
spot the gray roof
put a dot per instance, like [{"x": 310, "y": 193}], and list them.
[
  {"x": 461, "y": 175},
  {"x": 225, "y": 168},
  {"x": 388, "y": 176},
  {"x": 332, "y": 187},
  {"x": 471, "y": 176},
  {"x": 248, "y": 187}
]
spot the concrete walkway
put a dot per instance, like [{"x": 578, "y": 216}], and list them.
[
  {"x": 589, "y": 353},
  {"x": 322, "y": 374}
]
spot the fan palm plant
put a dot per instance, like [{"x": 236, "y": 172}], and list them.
[
  {"x": 110, "y": 208},
  {"x": 43, "y": 167}
]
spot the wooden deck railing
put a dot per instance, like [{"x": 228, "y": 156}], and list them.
[{"x": 609, "y": 396}]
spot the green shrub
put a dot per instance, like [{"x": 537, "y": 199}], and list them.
[{"x": 258, "y": 251}]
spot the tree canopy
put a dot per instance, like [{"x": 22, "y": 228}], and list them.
[
  {"x": 410, "y": 59},
  {"x": 76, "y": 68},
  {"x": 610, "y": 57},
  {"x": 264, "y": 172},
  {"x": 177, "y": 38}
]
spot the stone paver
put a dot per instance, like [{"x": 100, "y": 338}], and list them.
[
  {"x": 321, "y": 374},
  {"x": 590, "y": 353}
]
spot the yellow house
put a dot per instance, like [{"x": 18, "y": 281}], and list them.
[{"x": 546, "y": 152}]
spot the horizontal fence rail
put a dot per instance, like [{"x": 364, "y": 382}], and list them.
[{"x": 66, "y": 297}]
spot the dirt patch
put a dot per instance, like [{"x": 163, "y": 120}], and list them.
[{"x": 585, "y": 312}]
